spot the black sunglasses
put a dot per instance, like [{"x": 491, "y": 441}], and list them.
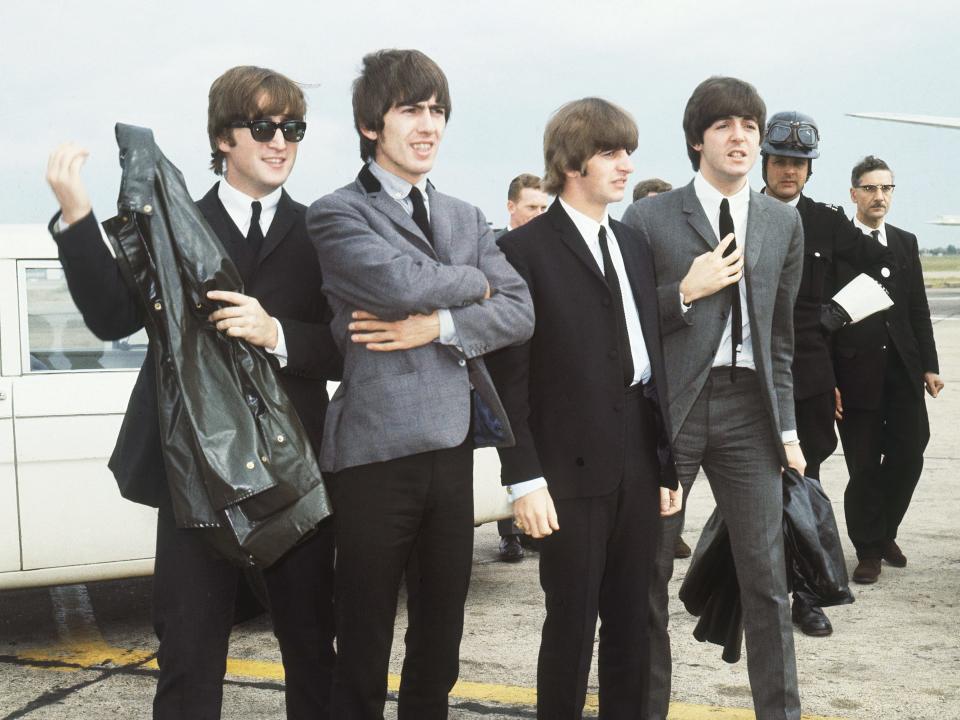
[
  {"x": 264, "y": 130},
  {"x": 800, "y": 133}
]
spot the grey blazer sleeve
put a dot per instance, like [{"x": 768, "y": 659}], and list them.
[
  {"x": 506, "y": 318},
  {"x": 363, "y": 269},
  {"x": 672, "y": 318},
  {"x": 781, "y": 341}
]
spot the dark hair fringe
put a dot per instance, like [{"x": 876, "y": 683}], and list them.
[
  {"x": 868, "y": 164},
  {"x": 715, "y": 98}
]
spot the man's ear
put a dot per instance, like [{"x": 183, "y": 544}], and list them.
[
  {"x": 226, "y": 141},
  {"x": 369, "y": 134},
  {"x": 511, "y": 207}
]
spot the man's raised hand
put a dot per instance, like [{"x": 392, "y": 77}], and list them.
[
  {"x": 411, "y": 332},
  {"x": 711, "y": 272},
  {"x": 63, "y": 176}
]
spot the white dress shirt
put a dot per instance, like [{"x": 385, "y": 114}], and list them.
[
  {"x": 239, "y": 207},
  {"x": 869, "y": 230},
  {"x": 399, "y": 189},
  {"x": 710, "y": 198}
]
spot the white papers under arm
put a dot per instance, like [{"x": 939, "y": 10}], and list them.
[{"x": 861, "y": 297}]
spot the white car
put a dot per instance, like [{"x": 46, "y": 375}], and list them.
[{"x": 63, "y": 394}]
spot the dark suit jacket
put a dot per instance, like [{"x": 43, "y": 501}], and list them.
[
  {"x": 285, "y": 279},
  {"x": 563, "y": 389},
  {"x": 828, "y": 238},
  {"x": 862, "y": 349}
]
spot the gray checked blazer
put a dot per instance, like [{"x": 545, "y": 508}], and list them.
[
  {"x": 678, "y": 231},
  {"x": 375, "y": 258}
]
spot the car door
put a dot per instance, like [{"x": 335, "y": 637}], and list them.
[{"x": 70, "y": 397}]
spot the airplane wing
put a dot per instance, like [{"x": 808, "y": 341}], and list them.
[
  {"x": 946, "y": 220},
  {"x": 947, "y": 122}
]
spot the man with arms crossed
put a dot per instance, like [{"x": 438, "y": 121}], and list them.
[
  {"x": 883, "y": 364},
  {"x": 419, "y": 292},
  {"x": 727, "y": 324},
  {"x": 584, "y": 396},
  {"x": 255, "y": 124}
]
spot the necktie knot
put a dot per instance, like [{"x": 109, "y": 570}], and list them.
[
  {"x": 255, "y": 209},
  {"x": 255, "y": 233},
  {"x": 875, "y": 234}
]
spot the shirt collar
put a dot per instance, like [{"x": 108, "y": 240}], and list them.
[
  {"x": 588, "y": 227},
  {"x": 238, "y": 204},
  {"x": 396, "y": 187},
  {"x": 710, "y": 197},
  {"x": 869, "y": 230}
]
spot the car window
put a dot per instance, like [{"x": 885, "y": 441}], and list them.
[{"x": 57, "y": 339}]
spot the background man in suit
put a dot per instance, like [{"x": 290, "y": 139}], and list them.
[
  {"x": 650, "y": 187},
  {"x": 586, "y": 415},
  {"x": 419, "y": 292},
  {"x": 525, "y": 201},
  {"x": 727, "y": 324},
  {"x": 255, "y": 122},
  {"x": 883, "y": 364},
  {"x": 790, "y": 144}
]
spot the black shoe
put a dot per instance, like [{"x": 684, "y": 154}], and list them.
[
  {"x": 510, "y": 548},
  {"x": 867, "y": 571},
  {"x": 811, "y": 620},
  {"x": 894, "y": 555},
  {"x": 529, "y": 543},
  {"x": 681, "y": 550}
]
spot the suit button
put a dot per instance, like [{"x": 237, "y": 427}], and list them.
[
  {"x": 885, "y": 272},
  {"x": 605, "y": 302},
  {"x": 579, "y": 462},
  {"x": 612, "y": 354},
  {"x": 461, "y": 362},
  {"x": 816, "y": 254},
  {"x": 884, "y": 347}
]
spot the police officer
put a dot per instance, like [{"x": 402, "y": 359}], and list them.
[{"x": 790, "y": 145}]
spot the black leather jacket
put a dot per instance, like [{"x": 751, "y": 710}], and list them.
[{"x": 238, "y": 460}]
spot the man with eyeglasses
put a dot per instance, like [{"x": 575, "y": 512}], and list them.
[
  {"x": 255, "y": 122},
  {"x": 790, "y": 145},
  {"x": 883, "y": 363}
]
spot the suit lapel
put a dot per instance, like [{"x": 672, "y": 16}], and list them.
[
  {"x": 218, "y": 220},
  {"x": 391, "y": 208},
  {"x": 572, "y": 238},
  {"x": 641, "y": 283},
  {"x": 283, "y": 221},
  {"x": 439, "y": 224},
  {"x": 696, "y": 217},
  {"x": 756, "y": 230}
]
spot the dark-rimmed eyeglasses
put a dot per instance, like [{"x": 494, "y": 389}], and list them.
[
  {"x": 265, "y": 130},
  {"x": 871, "y": 189},
  {"x": 798, "y": 133}
]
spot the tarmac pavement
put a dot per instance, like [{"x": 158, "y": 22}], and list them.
[{"x": 87, "y": 651}]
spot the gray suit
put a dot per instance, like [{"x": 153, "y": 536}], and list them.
[
  {"x": 731, "y": 429},
  {"x": 401, "y": 429},
  {"x": 376, "y": 258}
]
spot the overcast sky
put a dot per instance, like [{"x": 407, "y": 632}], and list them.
[{"x": 71, "y": 70}]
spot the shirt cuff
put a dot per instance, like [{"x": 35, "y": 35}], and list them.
[
  {"x": 789, "y": 437},
  {"x": 448, "y": 331},
  {"x": 280, "y": 351},
  {"x": 518, "y": 490},
  {"x": 683, "y": 306},
  {"x": 61, "y": 225}
]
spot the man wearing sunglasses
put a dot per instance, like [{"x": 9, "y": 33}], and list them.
[
  {"x": 255, "y": 120},
  {"x": 790, "y": 145},
  {"x": 883, "y": 363}
]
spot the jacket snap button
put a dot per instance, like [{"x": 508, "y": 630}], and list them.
[
  {"x": 158, "y": 306},
  {"x": 280, "y": 438},
  {"x": 148, "y": 208},
  {"x": 263, "y": 459},
  {"x": 250, "y": 465},
  {"x": 462, "y": 362}
]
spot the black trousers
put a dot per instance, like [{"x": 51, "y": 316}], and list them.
[
  {"x": 883, "y": 448},
  {"x": 194, "y": 593},
  {"x": 415, "y": 515},
  {"x": 815, "y": 427},
  {"x": 600, "y": 563}
]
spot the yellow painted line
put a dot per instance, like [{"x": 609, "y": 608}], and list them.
[{"x": 99, "y": 654}]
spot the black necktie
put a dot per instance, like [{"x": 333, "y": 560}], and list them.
[
  {"x": 875, "y": 234},
  {"x": 736, "y": 319},
  {"x": 613, "y": 282},
  {"x": 420, "y": 213},
  {"x": 255, "y": 234}
]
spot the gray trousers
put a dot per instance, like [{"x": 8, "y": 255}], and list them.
[{"x": 728, "y": 433}]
